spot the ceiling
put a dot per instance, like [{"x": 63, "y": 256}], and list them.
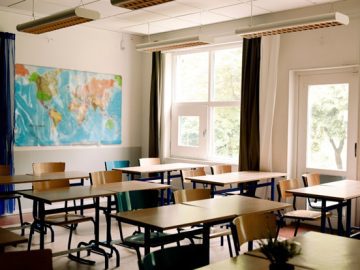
[{"x": 175, "y": 15}]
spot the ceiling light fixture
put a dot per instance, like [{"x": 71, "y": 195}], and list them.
[
  {"x": 294, "y": 25},
  {"x": 59, "y": 20},
  {"x": 173, "y": 44},
  {"x": 137, "y": 4}
]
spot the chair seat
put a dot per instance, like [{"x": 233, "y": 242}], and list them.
[
  {"x": 65, "y": 219},
  {"x": 137, "y": 239},
  {"x": 317, "y": 204},
  {"x": 218, "y": 232},
  {"x": 305, "y": 214}
]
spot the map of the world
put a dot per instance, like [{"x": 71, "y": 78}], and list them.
[{"x": 66, "y": 107}]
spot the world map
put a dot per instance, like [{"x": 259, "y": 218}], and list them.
[{"x": 56, "y": 106}]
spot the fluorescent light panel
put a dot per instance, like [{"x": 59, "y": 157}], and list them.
[
  {"x": 173, "y": 44},
  {"x": 295, "y": 25},
  {"x": 59, "y": 20},
  {"x": 137, "y": 4}
]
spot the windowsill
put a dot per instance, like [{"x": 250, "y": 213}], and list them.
[{"x": 199, "y": 161}]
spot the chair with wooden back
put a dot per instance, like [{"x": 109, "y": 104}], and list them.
[
  {"x": 254, "y": 227},
  {"x": 313, "y": 179},
  {"x": 187, "y": 195},
  {"x": 181, "y": 257},
  {"x": 148, "y": 162},
  {"x": 298, "y": 215},
  {"x": 190, "y": 173},
  {"x": 105, "y": 177},
  {"x": 221, "y": 168},
  {"x": 11, "y": 195},
  {"x": 69, "y": 220}
]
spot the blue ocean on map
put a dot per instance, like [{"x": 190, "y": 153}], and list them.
[{"x": 66, "y": 107}]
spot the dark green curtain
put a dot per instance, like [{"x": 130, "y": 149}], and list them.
[
  {"x": 155, "y": 94},
  {"x": 7, "y": 80},
  {"x": 249, "y": 155}
]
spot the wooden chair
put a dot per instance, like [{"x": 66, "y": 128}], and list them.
[
  {"x": 149, "y": 161},
  {"x": 190, "y": 173},
  {"x": 221, "y": 168},
  {"x": 253, "y": 227},
  {"x": 109, "y": 165},
  {"x": 187, "y": 195},
  {"x": 40, "y": 259},
  {"x": 4, "y": 196},
  {"x": 297, "y": 215},
  {"x": 69, "y": 220},
  {"x": 105, "y": 177},
  {"x": 313, "y": 179},
  {"x": 133, "y": 200},
  {"x": 181, "y": 257}
]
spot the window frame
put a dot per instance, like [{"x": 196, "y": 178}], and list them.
[{"x": 206, "y": 133}]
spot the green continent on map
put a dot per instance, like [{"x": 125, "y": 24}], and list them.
[
  {"x": 46, "y": 84},
  {"x": 118, "y": 78},
  {"x": 110, "y": 124}
]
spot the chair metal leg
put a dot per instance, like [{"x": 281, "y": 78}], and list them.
[
  {"x": 21, "y": 217},
  {"x": 297, "y": 227},
  {"x": 229, "y": 244},
  {"x": 32, "y": 228},
  {"x": 330, "y": 226}
]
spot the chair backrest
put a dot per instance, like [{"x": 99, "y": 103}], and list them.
[
  {"x": 187, "y": 195},
  {"x": 139, "y": 199},
  {"x": 255, "y": 227},
  {"x": 104, "y": 177},
  {"x": 191, "y": 173},
  {"x": 284, "y": 185},
  {"x": 109, "y": 165},
  {"x": 4, "y": 170},
  {"x": 311, "y": 179},
  {"x": 30, "y": 260},
  {"x": 221, "y": 168},
  {"x": 180, "y": 257},
  {"x": 149, "y": 161},
  {"x": 49, "y": 167}
]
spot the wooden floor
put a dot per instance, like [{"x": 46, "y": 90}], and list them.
[{"x": 128, "y": 259}]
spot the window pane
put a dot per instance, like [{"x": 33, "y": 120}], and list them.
[
  {"x": 327, "y": 126},
  {"x": 227, "y": 79},
  {"x": 192, "y": 73},
  {"x": 226, "y": 132},
  {"x": 189, "y": 127}
]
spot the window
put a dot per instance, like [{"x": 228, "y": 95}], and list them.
[{"x": 205, "y": 114}]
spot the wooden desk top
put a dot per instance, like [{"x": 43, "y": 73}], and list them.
[
  {"x": 132, "y": 185},
  {"x": 325, "y": 251},
  {"x": 29, "y": 178},
  {"x": 196, "y": 212},
  {"x": 235, "y": 177},
  {"x": 172, "y": 216},
  {"x": 8, "y": 238},
  {"x": 338, "y": 190},
  {"x": 66, "y": 194},
  {"x": 160, "y": 168},
  {"x": 239, "y": 205}
]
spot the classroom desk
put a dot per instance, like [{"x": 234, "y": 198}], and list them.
[
  {"x": 69, "y": 194},
  {"x": 318, "y": 251},
  {"x": 161, "y": 169},
  {"x": 324, "y": 251},
  {"x": 30, "y": 178},
  {"x": 207, "y": 212},
  {"x": 8, "y": 238},
  {"x": 239, "y": 178},
  {"x": 125, "y": 186},
  {"x": 342, "y": 191}
]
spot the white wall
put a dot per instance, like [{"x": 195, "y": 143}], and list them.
[{"x": 87, "y": 49}]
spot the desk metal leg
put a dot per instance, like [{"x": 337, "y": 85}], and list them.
[
  {"x": 206, "y": 241},
  {"x": 323, "y": 215},
  {"x": 272, "y": 189},
  {"x": 147, "y": 241},
  {"x": 339, "y": 212},
  {"x": 348, "y": 217},
  {"x": 42, "y": 223},
  {"x": 169, "y": 189},
  {"x": 162, "y": 191}
]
